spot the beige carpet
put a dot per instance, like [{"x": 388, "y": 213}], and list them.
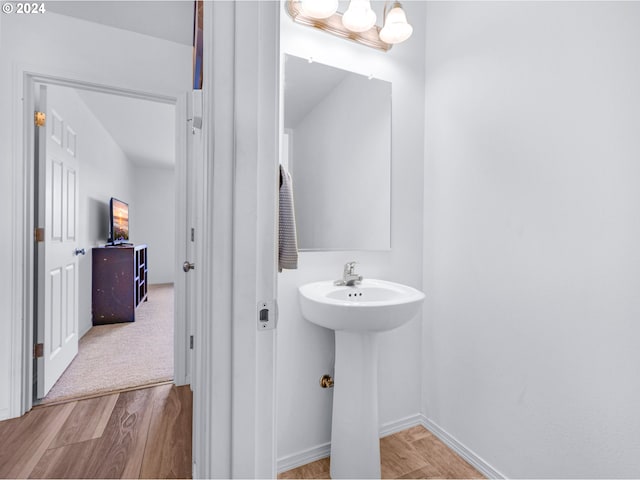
[{"x": 123, "y": 355}]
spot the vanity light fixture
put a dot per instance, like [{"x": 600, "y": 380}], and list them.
[
  {"x": 396, "y": 28},
  {"x": 319, "y": 9},
  {"x": 359, "y": 17},
  {"x": 358, "y": 23}
]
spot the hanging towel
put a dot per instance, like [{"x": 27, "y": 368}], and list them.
[{"x": 287, "y": 239}]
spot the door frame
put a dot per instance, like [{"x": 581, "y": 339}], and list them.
[
  {"x": 234, "y": 413},
  {"x": 23, "y": 274}
]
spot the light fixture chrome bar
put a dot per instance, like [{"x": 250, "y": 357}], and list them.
[{"x": 333, "y": 25}]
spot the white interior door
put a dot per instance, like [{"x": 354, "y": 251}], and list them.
[
  {"x": 186, "y": 231},
  {"x": 57, "y": 253},
  {"x": 194, "y": 214}
]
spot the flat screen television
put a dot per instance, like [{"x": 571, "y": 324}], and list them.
[{"x": 119, "y": 222}]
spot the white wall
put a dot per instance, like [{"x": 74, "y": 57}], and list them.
[
  {"x": 306, "y": 351},
  {"x": 327, "y": 160},
  {"x": 62, "y": 45},
  {"x": 104, "y": 172},
  {"x": 153, "y": 216},
  {"x": 531, "y": 234}
]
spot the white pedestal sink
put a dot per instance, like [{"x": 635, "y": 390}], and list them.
[{"x": 357, "y": 314}]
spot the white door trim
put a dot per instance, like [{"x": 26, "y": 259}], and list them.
[
  {"x": 181, "y": 367},
  {"x": 255, "y": 205},
  {"x": 234, "y": 388},
  {"x": 23, "y": 218}
]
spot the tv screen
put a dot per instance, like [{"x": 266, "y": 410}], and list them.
[{"x": 119, "y": 215}]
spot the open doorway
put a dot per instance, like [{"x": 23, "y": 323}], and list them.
[
  {"x": 179, "y": 202},
  {"x": 120, "y": 148}
]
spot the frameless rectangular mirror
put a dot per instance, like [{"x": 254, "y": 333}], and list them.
[{"x": 337, "y": 148}]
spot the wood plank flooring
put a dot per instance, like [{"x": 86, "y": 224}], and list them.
[
  {"x": 146, "y": 433},
  {"x": 143, "y": 433},
  {"x": 412, "y": 453}
]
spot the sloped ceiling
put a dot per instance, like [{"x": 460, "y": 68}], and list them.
[
  {"x": 144, "y": 130},
  {"x": 169, "y": 20}
]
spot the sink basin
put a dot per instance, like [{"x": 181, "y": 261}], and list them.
[
  {"x": 372, "y": 305},
  {"x": 358, "y": 314}
]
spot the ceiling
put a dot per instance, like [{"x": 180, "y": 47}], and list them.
[
  {"x": 144, "y": 130},
  {"x": 167, "y": 19}
]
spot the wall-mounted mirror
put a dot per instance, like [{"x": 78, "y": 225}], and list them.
[{"x": 337, "y": 148}]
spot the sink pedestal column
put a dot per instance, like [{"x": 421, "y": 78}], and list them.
[{"x": 355, "y": 439}]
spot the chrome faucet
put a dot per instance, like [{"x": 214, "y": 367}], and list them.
[{"x": 349, "y": 277}]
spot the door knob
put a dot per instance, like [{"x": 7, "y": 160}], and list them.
[
  {"x": 186, "y": 266},
  {"x": 79, "y": 251}
]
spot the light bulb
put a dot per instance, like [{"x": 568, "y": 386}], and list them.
[
  {"x": 359, "y": 17},
  {"x": 396, "y": 29},
  {"x": 319, "y": 8}
]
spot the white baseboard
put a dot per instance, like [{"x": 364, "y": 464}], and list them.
[
  {"x": 398, "y": 425},
  {"x": 302, "y": 458},
  {"x": 322, "y": 451},
  {"x": 476, "y": 461}
]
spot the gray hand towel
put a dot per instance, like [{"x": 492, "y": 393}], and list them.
[{"x": 287, "y": 239}]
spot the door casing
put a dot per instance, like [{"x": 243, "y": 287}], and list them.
[
  {"x": 23, "y": 333},
  {"x": 234, "y": 394}
]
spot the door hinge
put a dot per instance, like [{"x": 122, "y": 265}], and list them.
[
  {"x": 38, "y": 350},
  {"x": 193, "y": 234},
  {"x": 39, "y": 118},
  {"x": 39, "y": 234},
  {"x": 191, "y": 342}
]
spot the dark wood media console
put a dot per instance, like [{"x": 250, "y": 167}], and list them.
[{"x": 119, "y": 283}]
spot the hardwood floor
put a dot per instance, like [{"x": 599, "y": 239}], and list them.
[
  {"x": 146, "y": 433},
  {"x": 143, "y": 433},
  {"x": 412, "y": 453}
]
